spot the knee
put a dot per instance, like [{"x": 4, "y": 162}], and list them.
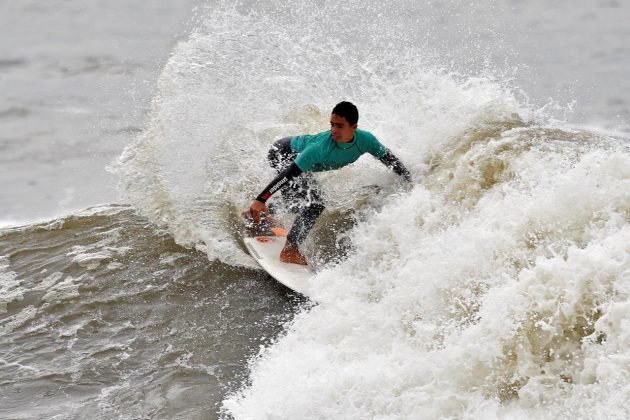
[{"x": 316, "y": 209}]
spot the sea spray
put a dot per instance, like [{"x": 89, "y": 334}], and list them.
[{"x": 245, "y": 79}]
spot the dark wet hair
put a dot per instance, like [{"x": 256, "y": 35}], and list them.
[{"x": 348, "y": 111}]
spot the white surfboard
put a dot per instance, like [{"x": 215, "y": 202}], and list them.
[{"x": 266, "y": 251}]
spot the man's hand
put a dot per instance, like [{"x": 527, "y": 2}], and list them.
[{"x": 257, "y": 209}]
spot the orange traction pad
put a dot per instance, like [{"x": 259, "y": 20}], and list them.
[{"x": 278, "y": 231}]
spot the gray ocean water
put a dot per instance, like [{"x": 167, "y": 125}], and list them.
[
  {"x": 133, "y": 133},
  {"x": 77, "y": 81}
]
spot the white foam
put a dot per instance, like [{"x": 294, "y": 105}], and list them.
[
  {"x": 15, "y": 321},
  {"x": 64, "y": 290},
  {"x": 94, "y": 255},
  {"x": 10, "y": 286}
]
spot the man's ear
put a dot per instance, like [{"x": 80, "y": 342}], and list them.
[{"x": 354, "y": 127}]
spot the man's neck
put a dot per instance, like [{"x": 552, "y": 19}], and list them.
[{"x": 346, "y": 141}]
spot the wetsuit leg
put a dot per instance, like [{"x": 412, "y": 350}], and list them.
[
  {"x": 304, "y": 222},
  {"x": 302, "y": 195},
  {"x": 308, "y": 204}
]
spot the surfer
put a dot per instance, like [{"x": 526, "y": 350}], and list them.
[{"x": 296, "y": 158}]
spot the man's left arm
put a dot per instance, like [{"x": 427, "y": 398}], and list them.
[
  {"x": 392, "y": 162},
  {"x": 382, "y": 153}
]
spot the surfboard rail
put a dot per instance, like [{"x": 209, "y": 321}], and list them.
[{"x": 265, "y": 249}]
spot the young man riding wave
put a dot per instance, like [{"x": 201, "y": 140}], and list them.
[{"x": 296, "y": 158}]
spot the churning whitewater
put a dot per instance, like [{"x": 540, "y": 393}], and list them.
[{"x": 497, "y": 288}]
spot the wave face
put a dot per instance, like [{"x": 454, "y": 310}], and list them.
[
  {"x": 104, "y": 316},
  {"x": 497, "y": 288}
]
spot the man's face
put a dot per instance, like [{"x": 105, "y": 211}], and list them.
[{"x": 342, "y": 131}]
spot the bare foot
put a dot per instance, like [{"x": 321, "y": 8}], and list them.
[{"x": 291, "y": 254}]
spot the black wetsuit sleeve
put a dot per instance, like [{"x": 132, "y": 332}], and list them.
[
  {"x": 395, "y": 165},
  {"x": 281, "y": 180}
]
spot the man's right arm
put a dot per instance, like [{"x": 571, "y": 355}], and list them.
[
  {"x": 280, "y": 181},
  {"x": 283, "y": 178}
]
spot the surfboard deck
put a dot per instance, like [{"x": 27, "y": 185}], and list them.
[{"x": 264, "y": 242}]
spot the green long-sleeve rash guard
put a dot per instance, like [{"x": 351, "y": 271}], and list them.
[{"x": 319, "y": 152}]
